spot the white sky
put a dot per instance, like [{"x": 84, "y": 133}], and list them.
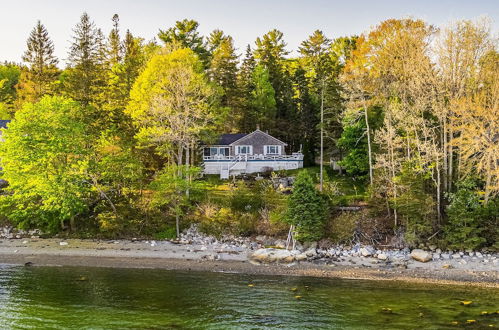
[{"x": 243, "y": 19}]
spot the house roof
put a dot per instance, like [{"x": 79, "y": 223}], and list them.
[
  {"x": 3, "y": 123},
  {"x": 262, "y": 134},
  {"x": 227, "y": 139}
]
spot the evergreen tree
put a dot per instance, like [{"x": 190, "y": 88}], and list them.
[
  {"x": 41, "y": 74},
  {"x": 223, "y": 72},
  {"x": 306, "y": 118},
  {"x": 114, "y": 48},
  {"x": 245, "y": 87},
  {"x": 85, "y": 74},
  {"x": 185, "y": 35},
  {"x": 307, "y": 209},
  {"x": 270, "y": 52},
  {"x": 263, "y": 99}
]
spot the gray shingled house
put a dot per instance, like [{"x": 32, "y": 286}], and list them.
[{"x": 258, "y": 151}]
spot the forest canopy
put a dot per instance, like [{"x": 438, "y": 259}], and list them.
[{"x": 109, "y": 141}]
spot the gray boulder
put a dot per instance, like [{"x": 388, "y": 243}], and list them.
[
  {"x": 367, "y": 251},
  {"x": 271, "y": 255},
  {"x": 421, "y": 255},
  {"x": 382, "y": 256}
]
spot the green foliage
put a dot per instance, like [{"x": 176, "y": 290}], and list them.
[
  {"x": 415, "y": 206},
  {"x": 174, "y": 189},
  {"x": 471, "y": 223},
  {"x": 172, "y": 103},
  {"x": 244, "y": 199},
  {"x": 44, "y": 159},
  {"x": 263, "y": 98},
  {"x": 85, "y": 75},
  {"x": 39, "y": 78},
  {"x": 353, "y": 141},
  {"x": 167, "y": 233},
  {"x": 185, "y": 35},
  {"x": 307, "y": 209},
  {"x": 9, "y": 77}
]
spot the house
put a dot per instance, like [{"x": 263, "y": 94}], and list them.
[{"x": 235, "y": 154}]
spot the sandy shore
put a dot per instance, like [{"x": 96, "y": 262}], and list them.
[{"x": 167, "y": 255}]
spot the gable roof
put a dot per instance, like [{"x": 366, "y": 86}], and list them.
[
  {"x": 227, "y": 139},
  {"x": 246, "y": 136},
  {"x": 3, "y": 123}
]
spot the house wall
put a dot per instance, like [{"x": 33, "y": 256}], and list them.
[{"x": 258, "y": 140}]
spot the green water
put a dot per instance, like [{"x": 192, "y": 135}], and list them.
[{"x": 102, "y": 298}]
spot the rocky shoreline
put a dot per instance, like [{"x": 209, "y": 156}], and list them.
[{"x": 255, "y": 255}]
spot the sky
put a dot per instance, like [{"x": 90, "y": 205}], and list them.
[{"x": 245, "y": 20}]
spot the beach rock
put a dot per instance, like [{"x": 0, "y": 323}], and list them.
[
  {"x": 445, "y": 256},
  {"x": 436, "y": 256},
  {"x": 271, "y": 255},
  {"x": 421, "y": 255},
  {"x": 63, "y": 243},
  {"x": 280, "y": 243},
  {"x": 301, "y": 257},
  {"x": 367, "y": 251},
  {"x": 479, "y": 255},
  {"x": 382, "y": 256},
  {"x": 312, "y": 252},
  {"x": 456, "y": 256}
]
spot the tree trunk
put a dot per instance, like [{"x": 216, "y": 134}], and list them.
[
  {"x": 322, "y": 138},
  {"x": 369, "y": 150},
  {"x": 177, "y": 223},
  {"x": 72, "y": 224},
  {"x": 451, "y": 161},
  {"x": 445, "y": 148}
]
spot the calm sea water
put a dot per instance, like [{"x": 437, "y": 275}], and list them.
[{"x": 102, "y": 298}]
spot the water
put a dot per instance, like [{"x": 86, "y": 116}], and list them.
[{"x": 103, "y": 298}]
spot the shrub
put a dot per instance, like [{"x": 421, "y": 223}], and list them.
[
  {"x": 471, "y": 223},
  {"x": 415, "y": 206},
  {"x": 307, "y": 209},
  {"x": 244, "y": 199},
  {"x": 341, "y": 229}
]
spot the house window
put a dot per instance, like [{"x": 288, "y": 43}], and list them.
[
  {"x": 216, "y": 151},
  {"x": 272, "y": 150},
  {"x": 243, "y": 150}
]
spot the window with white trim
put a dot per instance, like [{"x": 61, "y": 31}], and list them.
[
  {"x": 272, "y": 150},
  {"x": 216, "y": 151},
  {"x": 243, "y": 150}
]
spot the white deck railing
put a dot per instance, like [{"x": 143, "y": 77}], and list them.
[{"x": 294, "y": 156}]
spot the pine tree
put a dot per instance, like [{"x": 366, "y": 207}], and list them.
[
  {"x": 121, "y": 76},
  {"x": 270, "y": 52},
  {"x": 307, "y": 209},
  {"x": 306, "y": 118},
  {"x": 245, "y": 87},
  {"x": 39, "y": 77},
  {"x": 84, "y": 76},
  {"x": 185, "y": 35},
  {"x": 114, "y": 48},
  {"x": 263, "y": 99},
  {"x": 223, "y": 72}
]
